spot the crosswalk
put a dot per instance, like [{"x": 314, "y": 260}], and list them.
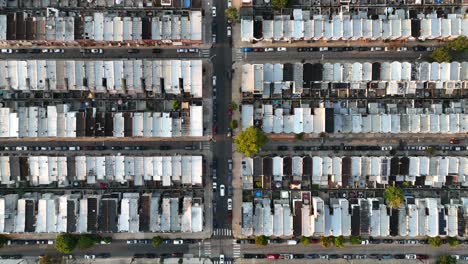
[
  {"x": 206, "y": 145},
  {"x": 238, "y": 55},
  {"x": 207, "y": 249},
  {"x": 225, "y": 262},
  {"x": 222, "y": 232},
  {"x": 236, "y": 249},
  {"x": 205, "y": 53}
]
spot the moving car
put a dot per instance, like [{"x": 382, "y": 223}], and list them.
[
  {"x": 213, "y": 11},
  {"x": 222, "y": 190},
  {"x": 221, "y": 259}
]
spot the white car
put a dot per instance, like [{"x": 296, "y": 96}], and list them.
[
  {"x": 229, "y": 31},
  {"x": 281, "y": 49},
  {"x": 213, "y": 11},
  {"x": 364, "y": 242},
  {"x": 45, "y": 50},
  {"x": 229, "y": 204},
  {"x": 89, "y": 256},
  {"x": 59, "y": 50},
  {"x": 229, "y": 4},
  {"x": 222, "y": 189},
  {"x": 214, "y": 186},
  {"x": 411, "y": 256},
  {"x": 221, "y": 259},
  {"x": 214, "y": 80},
  {"x": 323, "y": 48},
  {"x": 7, "y": 51},
  {"x": 178, "y": 242},
  {"x": 96, "y": 51},
  {"x": 387, "y": 147},
  {"x": 269, "y": 49}
]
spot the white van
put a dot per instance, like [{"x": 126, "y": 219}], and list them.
[{"x": 292, "y": 242}]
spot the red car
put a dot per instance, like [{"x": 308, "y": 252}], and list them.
[
  {"x": 420, "y": 256},
  {"x": 454, "y": 141},
  {"x": 273, "y": 256}
]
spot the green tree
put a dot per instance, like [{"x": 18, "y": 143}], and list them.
[
  {"x": 233, "y": 124},
  {"x": 261, "y": 240},
  {"x": 460, "y": 44},
  {"x": 181, "y": 261},
  {"x": 107, "y": 240},
  {"x": 338, "y": 241},
  {"x": 157, "y": 241},
  {"x": 446, "y": 260},
  {"x": 394, "y": 197},
  {"x": 250, "y": 141},
  {"x": 233, "y": 106},
  {"x": 231, "y": 13},
  {"x": 453, "y": 241},
  {"x": 175, "y": 104},
  {"x": 435, "y": 241},
  {"x": 65, "y": 243},
  {"x": 47, "y": 259},
  {"x": 299, "y": 136},
  {"x": 355, "y": 240},
  {"x": 406, "y": 184},
  {"x": 305, "y": 240},
  {"x": 325, "y": 241},
  {"x": 279, "y": 3},
  {"x": 3, "y": 240},
  {"x": 430, "y": 151},
  {"x": 86, "y": 241},
  {"x": 441, "y": 55}
]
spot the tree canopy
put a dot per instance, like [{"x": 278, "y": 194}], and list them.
[
  {"x": 261, "y": 240},
  {"x": 157, "y": 241},
  {"x": 231, "y": 13},
  {"x": 435, "y": 241},
  {"x": 394, "y": 197},
  {"x": 65, "y": 243},
  {"x": 460, "y": 44},
  {"x": 441, "y": 55},
  {"x": 280, "y": 3},
  {"x": 355, "y": 240},
  {"x": 86, "y": 241},
  {"x": 453, "y": 241},
  {"x": 445, "y": 259},
  {"x": 338, "y": 241},
  {"x": 250, "y": 141},
  {"x": 305, "y": 240},
  {"x": 325, "y": 241}
]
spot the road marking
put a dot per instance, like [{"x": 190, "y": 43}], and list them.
[
  {"x": 207, "y": 248},
  {"x": 236, "y": 249},
  {"x": 205, "y": 53}
]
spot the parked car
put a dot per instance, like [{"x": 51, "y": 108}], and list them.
[
  {"x": 59, "y": 50},
  {"x": 213, "y": 11},
  {"x": 454, "y": 141},
  {"x": 133, "y": 50},
  {"x": 7, "y": 51},
  {"x": 193, "y": 50},
  {"x": 182, "y": 50},
  {"x": 229, "y": 204},
  {"x": 157, "y": 50},
  {"x": 312, "y": 256},
  {"x": 164, "y": 147},
  {"x": 178, "y": 242},
  {"x": 97, "y": 51},
  {"x": 282, "y": 148},
  {"x": 229, "y": 31},
  {"x": 411, "y": 256},
  {"x": 258, "y": 50},
  {"x": 213, "y": 38},
  {"x": 299, "y": 148},
  {"x": 269, "y": 49},
  {"x": 273, "y": 256},
  {"x": 221, "y": 259},
  {"x": 34, "y": 51},
  {"x": 281, "y": 49},
  {"x": 21, "y": 51},
  {"x": 246, "y": 49}
]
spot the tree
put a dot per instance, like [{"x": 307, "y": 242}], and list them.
[
  {"x": 430, "y": 151},
  {"x": 453, "y": 241},
  {"x": 261, "y": 240},
  {"x": 299, "y": 136},
  {"x": 305, "y": 240},
  {"x": 445, "y": 259},
  {"x": 279, "y": 3},
  {"x": 233, "y": 106},
  {"x": 107, "y": 240},
  {"x": 460, "y": 44},
  {"x": 250, "y": 141},
  {"x": 86, "y": 241},
  {"x": 338, "y": 241},
  {"x": 231, "y": 13},
  {"x": 441, "y": 55},
  {"x": 181, "y": 261},
  {"x": 406, "y": 184},
  {"x": 394, "y": 197},
  {"x": 325, "y": 241},
  {"x": 65, "y": 243},
  {"x": 233, "y": 124},
  {"x": 157, "y": 241},
  {"x": 435, "y": 241},
  {"x": 176, "y": 105},
  {"x": 355, "y": 240},
  {"x": 47, "y": 259},
  {"x": 3, "y": 240}
]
